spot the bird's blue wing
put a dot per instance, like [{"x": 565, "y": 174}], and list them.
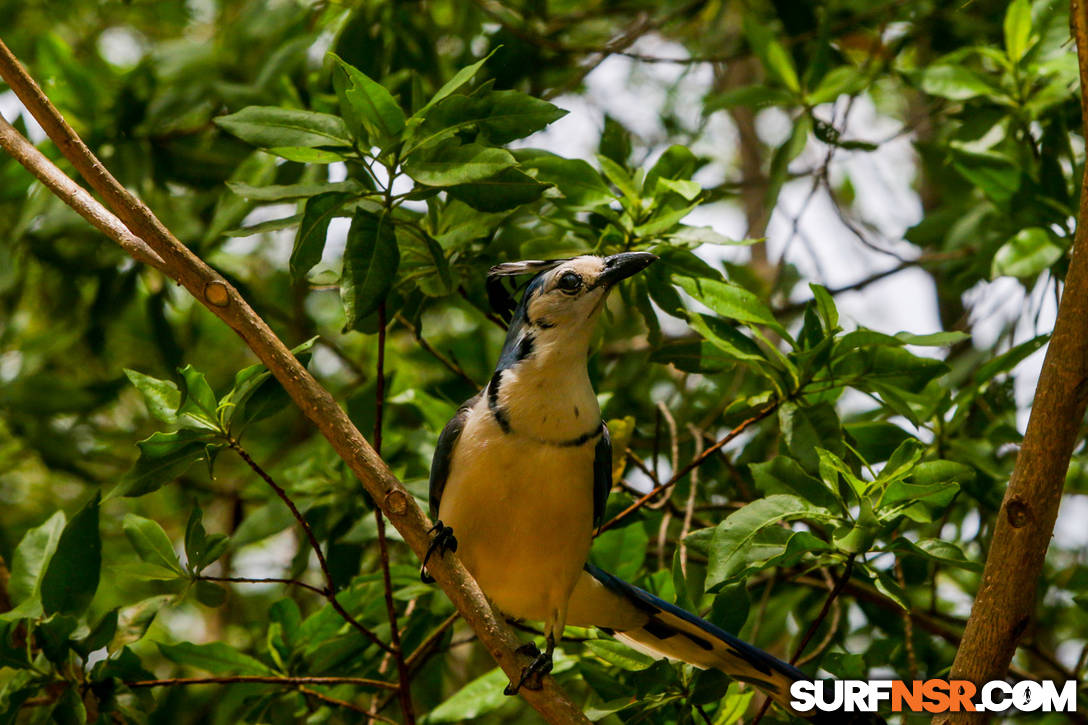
[
  {"x": 443, "y": 453},
  {"x": 602, "y": 474}
]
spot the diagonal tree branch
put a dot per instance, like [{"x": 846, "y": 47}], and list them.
[
  {"x": 1006, "y": 597},
  {"x": 215, "y": 293}
]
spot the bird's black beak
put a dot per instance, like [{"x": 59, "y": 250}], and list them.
[{"x": 621, "y": 266}]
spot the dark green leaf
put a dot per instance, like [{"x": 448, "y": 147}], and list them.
[
  {"x": 269, "y": 126},
  {"x": 955, "y": 82},
  {"x": 784, "y": 475},
  {"x": 450, "y": 164},
  {"x": 1029, "y": 252},
  {"x": 579, "y": 183},
  {"x": 150, "y": 542},
  {"x": 731, "y": 301},
  {"x": 31, "y": 557},
  {"x": 734, "y": 537},
  {"x": 371, "y": 258},
  {"x": 161, "y": 396},
  {"x": 368, "y": 103},
  {"x": 197, "y": 400},
  {"x": 71, "y": 578},
  {"x": 163, "y": 457},
  {"x": 210, "y": 594},
  {"x": 506, "y": 190},
  {"x": 215, "y": 657},
  {"x": 312, "y": 230}
]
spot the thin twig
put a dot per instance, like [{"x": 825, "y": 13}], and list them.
[
  {"x": 329, "y": 593},
  {"x": 329, "y": 700},
  {"x": 694, "y": 462},
  {"x": 689, "y": 506},
  {"x": 263, "y": 679},
  {"x": 404, "y": 692},
  {"x": 264, "y": 580},
  {"x": 450, "y": 364},
  {"x": 76, "y": 196},
  {"x": 811, "y": 631}
]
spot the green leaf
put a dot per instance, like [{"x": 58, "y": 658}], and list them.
[
  {"x": 621, "y": 551},
  {"x": 995, "y": 175},
  {"x": 368, "y": 103},
  {"x": 1017, "y": 28},
  {"x": 371, "y": 258},
  {"x": 269, "y": 126},
  {"x": 31, "y": 557},
  {"x": 197, "y": 400},
  {"x": 619, "y": 176},
  {"x": 945, "y": 552},
  {"x": 100, "y": 636},
  {"x": 452, "y": 164},
  {"x": 150, "y": 542},
  {"x": 201, "y": 549},
  {"x": 1028, "y": 253},
  {"x": 954, "y": 82},
  {"x": 579, "y": 183},
  {"x": 1006, "y": 361},
  {"x": 782, "y": 474},
  {"x": 498, "y": 117},
  {"x": 734, "y": 536},
  {"x": 731, "y": 301},
  {"x": 304, "y": 155},
  {"x": 164, "y": 457},
  {"x": 506, "y": 190},
  {"x": 161, "y": 396},
  {"x": 825, "y": 305},
  {"x": 843, "y": 80},
  {"x": 289, "y": 192},
  {"x": 210, "y": 594},
  {"x": 694, "y": 236},
  {"x": 886, "y": 584},
  {"x": 755, "y": 97},
  {"x": 619, "y": 654},
  {"x": 790, "y": 149},
  {"x": 477, "y": 698},
  {"x": 933, "y": 339},
  {"x": 215, "y": 657},
  {"x": 71, "y": 578},
  {"x": 780, "y": 64},
  {"x": 454, "y": 84},
  {"x": 313, "y": 230},
  {"x": 807, "y": 429}
]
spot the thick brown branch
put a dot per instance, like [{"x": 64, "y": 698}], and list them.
[
  {"x": 209, "y": 287},
  {"x": 75, "y": 195},
  {"x": 1005, "y": 603}
]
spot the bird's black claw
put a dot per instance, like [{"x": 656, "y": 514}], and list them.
[
  {"x": 532, "y": 677},
  {"x": 442, "y": 542}
]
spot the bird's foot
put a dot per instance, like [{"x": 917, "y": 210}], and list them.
[
  {"x": 442, "y": 542},
  {"x": 533, "y": 675}
]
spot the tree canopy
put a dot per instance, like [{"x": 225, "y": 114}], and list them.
[{"x": 786, "y": 464}]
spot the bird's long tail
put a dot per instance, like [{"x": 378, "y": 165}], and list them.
[{"x": 652, "y": 625}]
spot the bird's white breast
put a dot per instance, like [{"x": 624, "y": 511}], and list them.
[{"x": 522, "y": 513}]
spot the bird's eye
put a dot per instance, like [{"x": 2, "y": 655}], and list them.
[{"x": 569, "y": 282}]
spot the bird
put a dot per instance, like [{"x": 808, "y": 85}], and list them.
[{"x": 521, "y": 474}]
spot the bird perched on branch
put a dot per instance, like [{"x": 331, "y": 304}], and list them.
[{"x": 521, "y": 474}]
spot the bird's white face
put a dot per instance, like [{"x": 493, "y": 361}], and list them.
[{"x": 569, "y": 297}]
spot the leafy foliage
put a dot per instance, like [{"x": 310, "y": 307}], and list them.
[{"x": 354, "y": 166}]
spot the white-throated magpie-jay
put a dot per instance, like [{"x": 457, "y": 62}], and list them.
[{"x": 521, "y": 474}]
